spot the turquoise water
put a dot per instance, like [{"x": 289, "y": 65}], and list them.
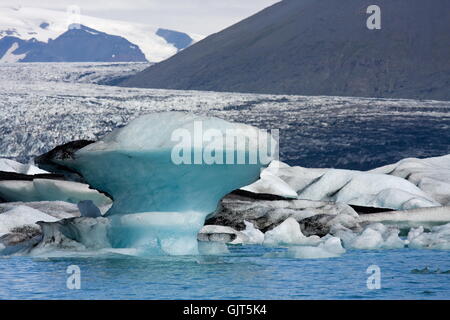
[{"x": 247, "y": 272}]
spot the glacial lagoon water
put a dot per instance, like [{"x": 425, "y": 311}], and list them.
[{"x": 247, "y": 272}]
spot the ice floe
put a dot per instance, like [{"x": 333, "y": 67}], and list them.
[
  {"x": 288, "y": 233},
  {"x": 254, "y": 235},
  {"x": 431, "y": 175},
  {"x": 367, "y": 189},
  {"x": 377, "y": 236},
  {"x": 329, "y": 248},
  {"x": 436, "y": 238}
]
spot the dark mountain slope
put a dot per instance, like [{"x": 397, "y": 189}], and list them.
[
  {"x": 320, "y": 48},
  {"x": 86, "y": 45},
  {"x": 22, "y": 46},
  {"x": 74, "y": 45}
]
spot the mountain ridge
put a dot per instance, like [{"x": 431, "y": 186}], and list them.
[
  {"x": 81, "y": 44},
  {"x": 43, "y": 24},
  {"x": 308, "y": 47}
]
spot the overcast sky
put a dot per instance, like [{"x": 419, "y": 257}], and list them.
[{"x": 197, "y": 16}]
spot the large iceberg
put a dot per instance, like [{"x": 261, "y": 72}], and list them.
[{"x": 166, "y": 172}]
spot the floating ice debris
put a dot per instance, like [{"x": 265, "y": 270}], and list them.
[
  {"x": 21, "y": 216},
  {"x": 437, "y": 238},
  {"x": 288, "y": 233},
  {"x": 254, "y": 235},
  {"x": 375, "y": 236},
  {"x": 330, "y": 248}
]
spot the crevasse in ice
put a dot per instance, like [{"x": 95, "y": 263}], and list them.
[{"x": 167, "y": 171}]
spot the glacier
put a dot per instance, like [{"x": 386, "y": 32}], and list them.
[{"x": 160, "y": 204}]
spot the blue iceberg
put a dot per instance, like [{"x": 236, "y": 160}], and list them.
[{"x": 167, "y": 171}]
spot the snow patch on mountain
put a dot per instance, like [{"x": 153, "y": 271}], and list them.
[
  {"x": 10, "y": 57},
  {"x": 44, "y": 24}
]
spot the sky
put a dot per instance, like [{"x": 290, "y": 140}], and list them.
[{"x": 196, "y": 16}]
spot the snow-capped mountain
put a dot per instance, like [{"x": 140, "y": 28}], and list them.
[
  {"x": 81, "y": 44},
  {"x": 28, "y": 23}
]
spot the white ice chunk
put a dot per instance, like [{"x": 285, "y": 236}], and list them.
[
  {"x": 288, "y": 233},
  {"x": 254, "y": 235},
  {"x": 56, "y": 209},
  {"x": 437, "y": 238},
  {"x": 369, "y": 239},
  {"x": 331, "y": 248},
  {"x": 22, "y": 216},
  {"x": 432, "y": 175},
  {"x": 271, "y": 184},
  {"x": 16, "y": 167},
  {"x": 50, "y": 190},
  {"x": 377, "y": 236}
]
